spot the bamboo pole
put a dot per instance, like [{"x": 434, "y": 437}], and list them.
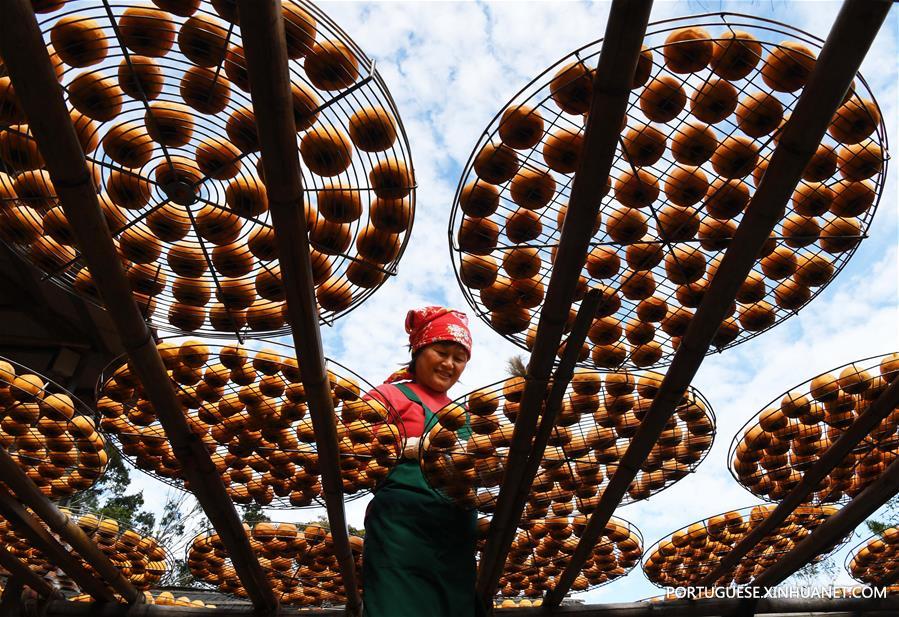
[
  {"x": 262, "y": 29},
  {"x": 837, "y": 65},
  {"x": 25, "y": 55},
  {"x": 611, "y": 89},
  {"x": 31, "y": 496}
]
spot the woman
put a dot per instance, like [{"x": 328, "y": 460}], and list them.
[{"x": 419, "y": 555}]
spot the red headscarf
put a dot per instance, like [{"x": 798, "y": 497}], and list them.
[{"x": 434, "y": 324}]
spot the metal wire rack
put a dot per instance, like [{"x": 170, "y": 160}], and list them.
[
  {"x": 464, "y": 453},
  {"x": 161, "y": 105},
  {"x": 686, "y": 556},
  {"x": 49, "y": 432},
  {"x": 710, "y": 97},
  {"x": 143, "y": 560},
  {"x": 542, "y": 549},
  {"x": 770, "y": 453},
  {"x": 875, "y": 560},
  {"x": 298, "y": 561},
  {"x": 248, "y": 406}
]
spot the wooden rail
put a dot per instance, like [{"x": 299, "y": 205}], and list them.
[
  {"x": 837, "y": 607},
  {"x": 262, "y": 29},
  {"x": 25, "y": 55},
  {"x": 28, "y": 494},
  {"x": 836, "y": 67},
  {"x": 611, "y": 87}
]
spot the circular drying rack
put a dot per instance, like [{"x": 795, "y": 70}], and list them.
[
  {"x": 143, "y": 560},
  {"x": 49, "y": 432},
  {"x": 704, "y": 116},
  {"x": 464, "y": 453},
  {"x": 542, "y": 550},
  {"x": 686, "y": 556},
  {"x": 771, "y": 452},
  {"x": 249, "y": 408},
  {"x": 162, "y": 108}
]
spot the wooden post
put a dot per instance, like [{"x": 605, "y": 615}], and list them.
[
  {"x": 262, "y": 29},
  {"x": 611, "y": 88},
  {"x": 836, "y": 67},
  {"x": 25, "y": 55}
]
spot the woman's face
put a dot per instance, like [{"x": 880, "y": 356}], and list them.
[{"x": 439, "y": 365}]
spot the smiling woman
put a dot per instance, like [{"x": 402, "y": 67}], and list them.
[
  {"x": 439, "y": 365},
  {"x": 420, "y": 549}
]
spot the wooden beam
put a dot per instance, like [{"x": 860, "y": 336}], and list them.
[
  {"x": 836, "y": 67},
  {"x": 612, "y": 81},
  {"x": 31, "y": 529},
  {"x": 819, "y": 607},
  {"x": 60, "y": 608},
  {"x": 45, "y": 307},
  {"x": 262, "y": 30},
  {"x": 833, "y": 456},
  {"x": 40, "y": 95}
]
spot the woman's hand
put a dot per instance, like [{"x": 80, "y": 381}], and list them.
[{"x": 411, "y": 448}]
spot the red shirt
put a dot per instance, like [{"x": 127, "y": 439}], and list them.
[{"x": 408, "y": 416}]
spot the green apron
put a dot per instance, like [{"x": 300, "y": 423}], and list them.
[{"x": 419, "y": 551}]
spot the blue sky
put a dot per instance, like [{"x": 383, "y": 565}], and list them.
[{"x": 451, "y": 67}]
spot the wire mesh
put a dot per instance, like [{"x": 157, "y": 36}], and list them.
[
  {"x": 49, "y": 432},
  {"x": 161, "y": 106},
  {"x": 709, "y": 101},
  {"x": 875, "y": 560},
  {"x": 689, "y": 554},
  {"x": 249, "y": 409},
  {"x": 542, "y": 550},
  {"x": 771, "y": 452},
  {"x": 141, "y": 558},
  {"x": 298, "y": 560},
  {"x": 464, "y": 453}
]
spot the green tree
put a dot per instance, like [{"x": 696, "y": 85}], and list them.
[
  {"x": 253, "y": 513},
  {"x": 182, "y": 528},
  {"x": 108, "y": 497},
  {"x": 890, "y": 517},
  {"x": 808, "y": 573}
]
